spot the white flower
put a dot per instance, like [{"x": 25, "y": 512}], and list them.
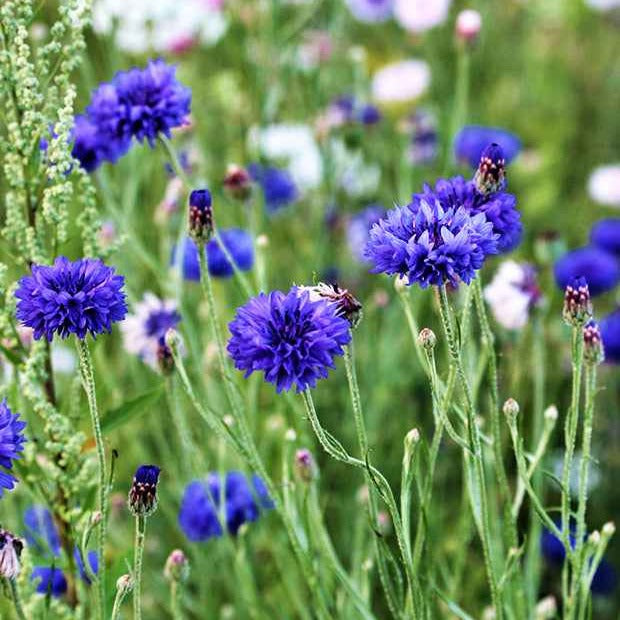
[
  {"x": 511, "y": 294},
  {"x": 603, "y": 5},
  {"x": 142, "y": 330},
  {"x": 421, "y": 15},
  {"x": 353, "y": 174},
  {"x": 401, "y": 81},
  {"x": 604, "y": 185},
  {"x": 161, "y": 25},
  {"x": 295, "y": 144}
]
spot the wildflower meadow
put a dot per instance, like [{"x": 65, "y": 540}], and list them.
[{"x": 309, "y": 309}]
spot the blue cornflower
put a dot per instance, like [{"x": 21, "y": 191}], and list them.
[
  {"x": 369, "y": 114},
  {"x": 81, "y": 297},
  {"x": 605, "y": 234},
  {"x": 11, "y": 444},
  {"x": 431, "y": 244},
  {"x": 201, "y": 513},
  {"x": 358, "y": 228},
  {"x": 500, "y": 208},
  {"x": 604, "y": 581},
  {"x": 424, "y": 139},
  {"x": 143, "y": 492},
  {"x": 610, "y": 333},
  {"x": 371, "y": 11},
  {"x": 41, "y": 533},
  {"x": 289, "y": 337},
  {"x": 200, "y": 212},
  {"x": 51, "y": 581},
  {"x": 93, "y": 560},
  {"x": 239, "y": 245},
  {"x": 473, "y": 139},
  {"x": 87, "y": 146},
  {"x": 278, "y": 186},
  {"x": 600, "y": 269}
]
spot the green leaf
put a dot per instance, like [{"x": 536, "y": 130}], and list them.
[{"x": 130, "y": 409}]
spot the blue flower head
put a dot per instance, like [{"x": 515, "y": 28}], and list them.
[
  {"x": 289, "y": 337},
  {"x": 430, "y": 244},
  {"x": 87, "y": 147},
  {"x": 201, "y": 513},
  {"x": 369, "y": 114},
  {"x": 80, "y": 297},
  {"x": 610, "y": 333},
  {"x": 605, "y": 234},
  {"x": 473, "y": 139},
  {"x": 600, "y": 269},
  {"x": 41, "y": 533},
  {"x": 278, "y": 186},
  {"x": 50, "y": 581},
  {"x": 239, "y": 245},
  {"x": 143, "y": 493},
  {"x": 93, "y": 560},
  {"x": 11, "y": 444}
]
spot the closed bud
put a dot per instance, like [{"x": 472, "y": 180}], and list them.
[
  {"x": 609, "y": 529},
  {"x": 96, "y": 517},
  {"x": 412, "y": 437},
  {"x": 124, "y": 584},
  {"x": 511, "y": 408},
  {"x": 177, "y": 567},
  {"x": 238, "y": 182},
  {"x": 305, "y": 467},
  {"x": 490, "y": 176},
  {"x": 468, "y": 25},
  {"x": 546, "y": 608},
  {"x": 577, "y": 310},
  {"x": 384, "y": 523},
  {"x": 290, "y": 435},
  {"x": 427, "y": 339},
  {"x": 593, "y": 352},
  {"x": 200, "y": 222},
  {"x": 551, "y": 413},
  {"x": 143, "y": 493},
  {"x": 594, "y": 538}
]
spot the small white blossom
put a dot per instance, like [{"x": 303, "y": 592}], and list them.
[
  {"x": 402, "y": 81},
  {"x": 604, "y": 185},
  {"x": 420, "y": 15}
]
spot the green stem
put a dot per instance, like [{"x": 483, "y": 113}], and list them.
[
  {"x": 19, "y": 610},
  {"x": 137, "y": 566},
  {"x": 479, "y": 504},
  {"x": 88, "y": 381},
  {"x": 175, "y": 600},
  {"x": 121, "y": 593},
  {"x": 570, "y": 436}
]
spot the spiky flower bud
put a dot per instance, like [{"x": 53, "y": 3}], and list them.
[
  {"x": 177, "y": 566},
  {"x": 593, "y": 352},
  {"x": 511, "y": 408},
  {"x": 348, "y": 307},
  {"x": 427, "y": 339},
  {"x": 10, "y": 552},
  {"x": 200, "y": 216},
  {"x": 238, "y": 182},
  {"x": 305, "y": 465},
  {"x": 491, "y": 174},
  {"x": 577, "y": 309},
  {"x": 143, "y": 492}
]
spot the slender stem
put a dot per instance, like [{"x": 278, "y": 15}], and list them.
[
  {"x": 590, "y": 393},
  {"x": 88, "y": 381},
  {"x": 174, "y": 160},
  {"x": 482, "y": 520},
  {"x": 121, "y": 593},
  {"x": 570, "y": 436},
  {"x": 19, "y": 610},
  {"x": 137, "y": 565},
  {"x": 175, "y": 600}
]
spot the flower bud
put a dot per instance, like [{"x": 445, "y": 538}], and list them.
[
  {"x": 200, "y": 216},
  {"x": 124, "y": 584},
  {"x": 594, "y": 538},
  {"x": 577, "y": 309},
  {"x": 290, "y": 435},
  {"x": 427, "y": 339},
  {"x": 593, "y": 352},
  {"x": 238, "y": 182},
  {"x": 305, "y": 466},
  {"x": 546, "y": 608},
  {"x": 143, "y": 493},
  {"x": 491, "y": 174},
  {"x": 511, "y": 408},
  {"x": 468, "y": 25},
  {"x": 551, "y": 413},
  {"x": 384, "y": 523},
  {"x": 609, "y": 529},
  {"x": 177, "y": 567},
  {"x": 412, "y": 438},
  {"x": 95, "y": 517}
]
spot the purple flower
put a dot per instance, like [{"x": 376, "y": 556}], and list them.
[
  {"x": 80, "y": 297},
  {"x": 199, "y": 515},
  {"x": 369, "y": 114},
  {"x": 292, "y": 339},
  {"x": 278, "y": 186},
  {"x": 371, "y": 11},
  {"x": 11, "y": 444},
  {"x": 93, "y": 560},
  {"x": 599, "y": 268},
  {"x": 424, "y": 140},
  {"x": 473, "y": 139},
  {"x": 50, "y": 580},
  {"x": 500, "y": 208},
  {"x": 358, "y": 229},
  {"x": 431, "y": 244},
  {"x": 605, "y": 234},
  {"x": 239, "y": 245},
  {"x": 610, "y": 332},
  {"x": 41, "y": 533},
  {"x": 87, "y": 148}
]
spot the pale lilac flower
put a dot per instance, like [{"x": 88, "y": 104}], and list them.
[
  {"x": 604, "y": 185},
  {"x": 370, "y": 11},
  {"x": 420, "y": 15},
  {"x": 401, "y": 81}
]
